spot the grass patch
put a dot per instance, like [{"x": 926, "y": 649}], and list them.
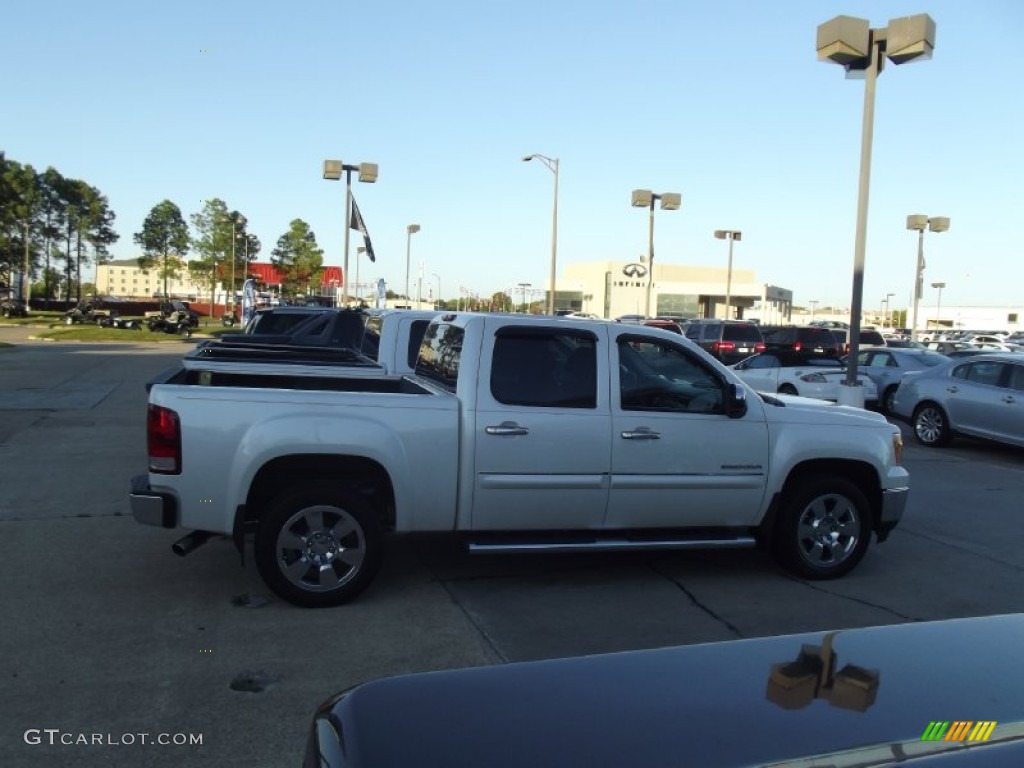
[{"x": 85, "y": 332}]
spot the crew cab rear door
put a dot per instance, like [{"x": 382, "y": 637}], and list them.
[{"x": 542, "y": 429}]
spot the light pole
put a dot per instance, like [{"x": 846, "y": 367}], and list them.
[
  {"x": 236, "y": 219},
  {"x": 814, "y": 305},
  {"x": 409, "y": 232},
  {"x": 644, "y": 198},
  {"x": 858, "y": 48},
  {"x": 367, "y": 174},
  {"x": 919, "y": 222},
  {"x": 552, "y": 165},
  {"x": 888, "y": 313},
  {"x": 938, "y": 304},
  {"x": 731, "y": 235},
  {"x": 438, "y": 305},
  {"x": 360, "y": 250},
  {"x": 523, "y": 287}
]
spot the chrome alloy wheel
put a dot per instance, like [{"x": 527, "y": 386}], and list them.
[
  {"x": 320, "y": 548},
  {"x": 828, "y": 530},
  {"x": 930, "y": 425}
]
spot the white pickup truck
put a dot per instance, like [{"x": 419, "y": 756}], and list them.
[{"x": 520, "y": 434}]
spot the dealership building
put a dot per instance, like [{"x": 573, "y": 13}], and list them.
[{"x": 611, "y": 289}]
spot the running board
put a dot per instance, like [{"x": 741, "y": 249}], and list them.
[{"x": 608, "y": 545}]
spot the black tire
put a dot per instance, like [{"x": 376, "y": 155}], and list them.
[
  {"x": 931, "y": 425},
  {"x": 823, "y": 529},
  {"x": 887, "y": 402},
  {"x": 787, "y": 389},
  {"x": 318, "y": 521},
  {"x": 184, "y": 331}
]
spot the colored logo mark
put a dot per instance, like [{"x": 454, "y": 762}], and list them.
[{"x": 958, "y": 730}]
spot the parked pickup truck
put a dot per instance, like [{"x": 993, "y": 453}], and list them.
[
  {"x": 520, "y": 434},
  {"x": 388, "y": 338}
]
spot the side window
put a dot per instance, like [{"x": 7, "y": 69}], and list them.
[
  {"x": 762, "y": 361},
  {"x": 862, "y": 358},
  {"x": 419, "y": 327},
  {"x": 693, "y": 331},
  {"x": 880, "y": 360},
  {"x": 656, "y": 377},
  {"x": 985, "y": 373},
  {"x": 1017, "y": 377},
  {"x": 549, "y": 369}
]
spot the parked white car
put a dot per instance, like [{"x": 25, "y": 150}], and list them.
[{"x": 795, "y": 373}]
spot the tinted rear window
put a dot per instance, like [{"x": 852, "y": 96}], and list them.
[
  {"x": 439, "y": 355},
  {"x": 741, "y": 332}
]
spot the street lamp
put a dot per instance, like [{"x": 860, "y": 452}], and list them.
[
  {"x": 523, "y": 287},
  {"x": 858, "y": 48},
  {"x": 409, "y": 232},
  {"x": 814, "y": 305},
  {"x": 919, "y": 222},
  {"x": 938, "y": 304},
  {"x": 730, "y": 235},
  {"x": 888, "y": 314},
  {"x": 644, "y": 198},
  {"x": 438, "y": 305},
  {"x": 552, "y": 165},
  {"x": 368, "y": 174}
]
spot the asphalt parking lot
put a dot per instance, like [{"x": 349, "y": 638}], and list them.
[{"x": 107, "y": 633}]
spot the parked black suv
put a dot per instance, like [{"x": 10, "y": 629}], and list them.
[
  {"x": 803, "y": 338},
  {"x": 728, "y": 340}
]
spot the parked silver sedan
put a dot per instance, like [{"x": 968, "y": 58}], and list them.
[
  {"x": 979, "y": 396},
  {"x": 886, "y": 367}
]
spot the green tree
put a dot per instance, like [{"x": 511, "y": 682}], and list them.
[
  {"x": 164, "y": 241},
  {"x": 20, "y": 195},
  {"x": 99, "y": 226},
  {"x": 298, "y": 258}
]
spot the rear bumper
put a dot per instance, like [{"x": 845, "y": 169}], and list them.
[{"x": 151, "y": 507}]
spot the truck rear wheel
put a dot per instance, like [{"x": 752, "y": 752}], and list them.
[
  {"x": 824, "y": 528},
  {"x": 318, "y": 546}
]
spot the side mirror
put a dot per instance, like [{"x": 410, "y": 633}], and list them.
[{"x": 736, "y": 401}]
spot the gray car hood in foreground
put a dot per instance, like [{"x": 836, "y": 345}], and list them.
[{"x": 861, "y": 697}]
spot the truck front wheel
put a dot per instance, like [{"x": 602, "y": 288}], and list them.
[
  {"x": 823, "y": 530},
  {"x": 318, "y": 546}
]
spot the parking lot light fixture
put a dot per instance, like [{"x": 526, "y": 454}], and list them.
[
  {"x": 919, "y": 222},
  {"x": 552, "y": 165},
  {"x": 731, "y": 235},
  {"x": 333, "y": 170},
  {"x": 861, "y": 50},
  {"x": 410, "y": 230},
  {"x": 644, "y": 198}
]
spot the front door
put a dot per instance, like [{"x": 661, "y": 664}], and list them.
[{"x": 677, "y": 459}]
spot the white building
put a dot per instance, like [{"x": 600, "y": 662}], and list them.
[
  {"x": 126, "y": 279},
  {"x": 610, "y": 289}
]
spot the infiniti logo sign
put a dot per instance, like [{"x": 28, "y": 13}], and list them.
[{"x": 634, "y": 270}]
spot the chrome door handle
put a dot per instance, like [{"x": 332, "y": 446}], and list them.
[
  {"x": 507, "y": 428},
  {"x": 641, "y": 433},
  {"x": 1009, "y": 399},
  {"x": 953, "y": 389}
]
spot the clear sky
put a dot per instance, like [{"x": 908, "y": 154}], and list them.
[{"x": 723, "y": 102}]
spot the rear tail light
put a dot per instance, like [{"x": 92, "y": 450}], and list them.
[
  {"x": 760, "y": 347},
  {"x": 724, "y": 346},
  {"x": 798, "y": 346},
  {"x": 163, "y": 437}
]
